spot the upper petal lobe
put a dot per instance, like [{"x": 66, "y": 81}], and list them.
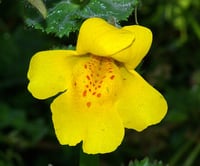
[
  {"x": 100, "y": 38},
  {"x": 132, "y": 55}
]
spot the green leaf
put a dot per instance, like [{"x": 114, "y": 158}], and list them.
[
  {"x": 67, "y": 16},
  {"x": 145, "y": 162},
  {"x": 120, "y": 10},
  {"x": 62, "y": 19}
]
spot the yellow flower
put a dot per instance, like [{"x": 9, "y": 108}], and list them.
[{"x": 100, "y": 93}]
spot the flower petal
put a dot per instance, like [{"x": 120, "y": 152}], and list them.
[
  {"x": 105, "y": 130},
  {"x": 50, "y": 72},
  {"x": 133, "y": 55},
  {"x": 140, "y": 105},
  {"x": 99, "y": 126},
  {"x": 100, "y": 38},
  {"x": 68, "y": 120}
]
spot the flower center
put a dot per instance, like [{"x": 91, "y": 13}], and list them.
[{"x": 96, "y": 80}]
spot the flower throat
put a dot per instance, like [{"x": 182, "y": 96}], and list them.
[{"x": 96, "y": 79}]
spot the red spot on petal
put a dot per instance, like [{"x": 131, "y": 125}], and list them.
[
  {"x": 84, "y": 93},
  {"x": 93, "y": 93},
  {"x": 88, "y": 77},
  {"x": 112, "y": 77},
  {"x": 85, "y": 66},
  {"x": 99, "y": 95},
  {"x": 88, "y": 104}
]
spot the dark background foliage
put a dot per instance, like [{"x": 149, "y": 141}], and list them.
[{"x": 172, "y": 66}]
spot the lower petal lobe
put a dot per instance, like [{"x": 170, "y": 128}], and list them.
[
  {"x": 139, "y": 105},
  {"x": 99, "y": 127}
]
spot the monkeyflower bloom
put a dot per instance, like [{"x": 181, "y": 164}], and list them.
[{"x": 99, "y": 93}]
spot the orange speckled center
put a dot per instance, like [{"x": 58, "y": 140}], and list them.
[{"x": 96, "y": 80}]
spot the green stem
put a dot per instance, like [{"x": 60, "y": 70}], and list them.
[
  {"x": 88, "y": 159},
  {"x": 193, "y": 155}
]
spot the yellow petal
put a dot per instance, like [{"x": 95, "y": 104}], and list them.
[
  {"x": 139, "y": 105},
  {"x": 99, "y": 127},
  {"x": 68, "y": 120},
  {"x": 50, "y": 72},
  {"x": 133, "y": 55},
  {"x": 105, "y": 130},
  {"x": 100, "y": 38}
]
